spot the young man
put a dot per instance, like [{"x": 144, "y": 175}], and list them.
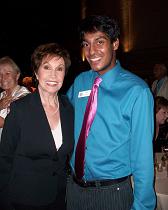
[{"x": 119, "y": 142}]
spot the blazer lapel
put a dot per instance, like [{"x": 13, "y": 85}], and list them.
[
  {"x": 43, "y": 125},
  {"x": 63, "y": 116},
  {"x": 66, "y": 123}
]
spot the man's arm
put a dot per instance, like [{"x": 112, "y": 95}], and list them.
[
  {"x": 70, "y": 94},
  {"x": 142, "y": 151}
]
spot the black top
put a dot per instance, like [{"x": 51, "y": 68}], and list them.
[{"x": 32, "y": 171}]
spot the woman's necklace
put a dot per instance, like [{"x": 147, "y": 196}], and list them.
[{"x": 57, "y": 103}]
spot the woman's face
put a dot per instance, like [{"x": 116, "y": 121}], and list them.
[
  {"x": 162, "y": 115},
  {"x": 50, "y": 74},
  {"x": 8, "y": 77}
]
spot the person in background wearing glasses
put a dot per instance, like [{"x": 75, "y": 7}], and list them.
[{"x": 160, "y": 84}]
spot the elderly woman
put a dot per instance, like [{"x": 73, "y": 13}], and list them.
[
  {"x": 9, "y": 75},
  {"x": 37, "y": 139}
]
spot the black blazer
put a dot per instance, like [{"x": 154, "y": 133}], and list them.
[{"x": 32, "y": 171}]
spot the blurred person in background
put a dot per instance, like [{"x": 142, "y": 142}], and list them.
[
  {"x": 160, "y": 84},
  {"x": 161, "y": 110},
  {"x": 28, "y": 82},
  {"x": 37, "y": 138},
  {"x": 9, "y": 76}
]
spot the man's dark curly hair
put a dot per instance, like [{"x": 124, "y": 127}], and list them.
[{"x": 95, "y": 23}]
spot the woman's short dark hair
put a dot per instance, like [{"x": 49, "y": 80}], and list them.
[
  {"x": 160, "y": 102},
  {"x": 95, "y": 23},
  {"x": 49, "y": 49}
]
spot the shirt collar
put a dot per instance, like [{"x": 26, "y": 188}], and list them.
[{"x": 110, "y": 76}]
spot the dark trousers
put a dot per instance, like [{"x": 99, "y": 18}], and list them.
[{"x": 114, "y": 197}]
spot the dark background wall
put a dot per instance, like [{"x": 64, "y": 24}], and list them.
[
  {"x": 145, "y": 22},
  {"x": 26, "y": 24}
]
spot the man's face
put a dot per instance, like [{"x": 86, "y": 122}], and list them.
[{"x": 99, "y": 51}]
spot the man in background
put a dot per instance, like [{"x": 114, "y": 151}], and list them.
[{"x": 160, "y": 85}]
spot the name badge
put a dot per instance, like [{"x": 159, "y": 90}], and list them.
[{"x": 84, "y": 93}]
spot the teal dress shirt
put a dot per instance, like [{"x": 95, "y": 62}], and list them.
[{"x": 120, "y": 139}]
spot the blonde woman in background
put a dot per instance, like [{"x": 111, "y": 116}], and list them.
[{"x": 9, "y": 76}]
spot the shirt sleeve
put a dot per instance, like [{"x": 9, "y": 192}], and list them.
[
  {"x": 70, "y": 94},
  {"x": 142, "y": 151}
]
